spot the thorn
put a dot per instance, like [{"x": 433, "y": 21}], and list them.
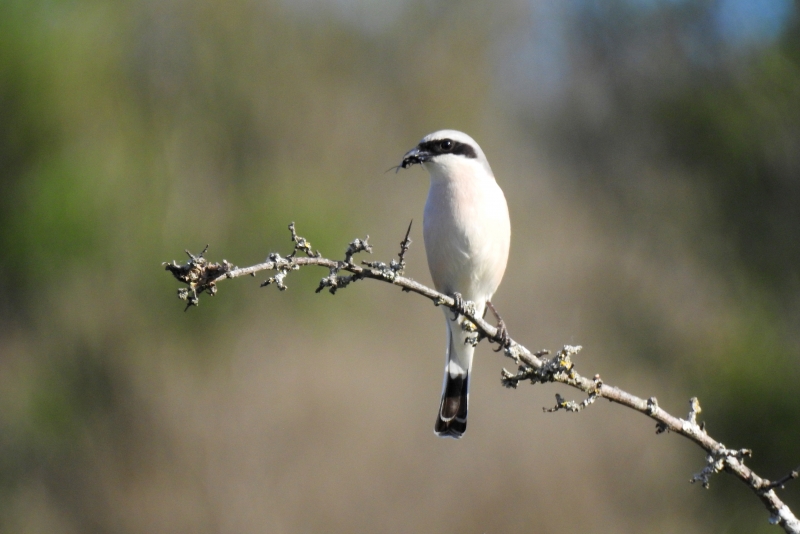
[{"x": 400, "y": 265}]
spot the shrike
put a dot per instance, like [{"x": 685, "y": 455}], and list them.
[{"x": 467, "y": 235}]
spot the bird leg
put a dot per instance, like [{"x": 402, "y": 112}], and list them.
[{"x": 502, "y": 332}]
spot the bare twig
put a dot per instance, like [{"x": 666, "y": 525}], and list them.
[
  {"x": 202, "y": 276},
  {"x": 791, "y": 475}
]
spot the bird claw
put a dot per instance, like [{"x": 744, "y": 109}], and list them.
[
  {"x": 502, "y": 331},
  {"x": 459, "y": 305},
  {"x": 462, "y": 307}
]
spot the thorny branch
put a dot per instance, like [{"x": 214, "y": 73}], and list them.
[{"x": 202, "y": 276}]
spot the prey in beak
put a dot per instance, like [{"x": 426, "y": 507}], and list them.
[{"x": 414, "y": 156}]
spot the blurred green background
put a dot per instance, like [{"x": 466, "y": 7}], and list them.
[{"x": 650, "y": 153}]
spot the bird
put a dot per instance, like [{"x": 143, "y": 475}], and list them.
[{"x": 467, "y": 235}]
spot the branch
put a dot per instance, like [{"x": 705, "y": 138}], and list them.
[{"x": 202, "y": 276}]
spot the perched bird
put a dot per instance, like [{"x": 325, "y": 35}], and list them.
[{"x": 467, "y": 235}]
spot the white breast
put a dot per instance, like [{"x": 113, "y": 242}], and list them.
[{"x": 466, "y": 229}]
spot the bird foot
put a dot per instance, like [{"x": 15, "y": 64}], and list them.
[
  {"x": 502, "y": 331},
  {"x": 462, "y": 307},
  {"x": 459, "y": 305}
]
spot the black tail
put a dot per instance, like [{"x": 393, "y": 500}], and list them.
[{"x": 452, "y": 419}]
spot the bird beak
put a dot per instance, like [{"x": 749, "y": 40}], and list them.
[{"x": 414, "y": 157}]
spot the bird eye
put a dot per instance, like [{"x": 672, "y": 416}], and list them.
[{"x": 446, "y": 145}]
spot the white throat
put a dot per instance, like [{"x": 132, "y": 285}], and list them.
[{"x": 450, "y": 167}]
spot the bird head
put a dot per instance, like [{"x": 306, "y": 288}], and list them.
[{"x": 445, "y": 149}]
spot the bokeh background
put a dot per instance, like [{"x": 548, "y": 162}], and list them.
[{"x": 650, "y": 154}]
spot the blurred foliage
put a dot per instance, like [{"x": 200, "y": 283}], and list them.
[
  {"x": 743, "y": 143},
  {"x": 676, "y": 95},
  {"x": 130, "y": 131}
]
